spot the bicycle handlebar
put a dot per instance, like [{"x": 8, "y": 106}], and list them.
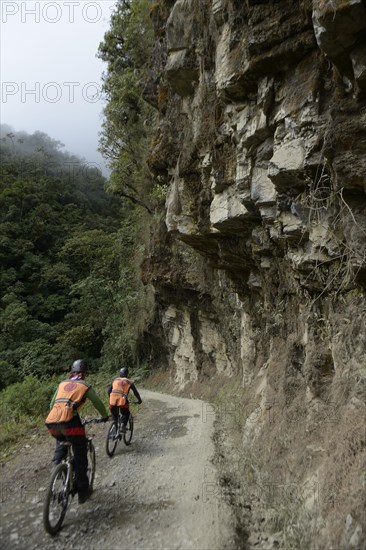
[{"x": 100, "y": 420}]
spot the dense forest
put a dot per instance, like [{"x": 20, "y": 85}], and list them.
[{"x": 59, "y": 254}]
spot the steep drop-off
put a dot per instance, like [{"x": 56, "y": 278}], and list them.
[{"x": 260, "y": 268}]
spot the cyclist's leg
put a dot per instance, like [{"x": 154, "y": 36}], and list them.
[
  {"x": 60, "y": 451},
  {"x": 80, "y": 450},
  {"x": 114, "y": 413},
  {"x": 75, "y": 433},
  {"x": 125, "y": 415}
]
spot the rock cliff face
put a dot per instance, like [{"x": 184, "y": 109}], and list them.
[{"x": 260, "y": 274}]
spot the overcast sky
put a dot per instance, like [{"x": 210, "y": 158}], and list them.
[{"x": 50, "y": 76}]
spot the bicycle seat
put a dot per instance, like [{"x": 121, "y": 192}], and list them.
[{"x": 66, "y": 443}]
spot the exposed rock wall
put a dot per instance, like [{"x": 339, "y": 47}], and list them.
[{"x": 262, "y": 138}]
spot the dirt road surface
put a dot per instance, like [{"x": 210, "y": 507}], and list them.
[{"x": 161, "y": 492}]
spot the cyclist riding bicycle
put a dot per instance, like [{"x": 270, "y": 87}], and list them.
[
  {"x": 118, "y": 397},
  {"x": 63, "y": 422}
]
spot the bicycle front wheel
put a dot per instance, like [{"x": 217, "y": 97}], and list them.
[
  {"x": 57, "y": 499},
  {"x": 112, "y": 439},
  {"x": 127, "y": 436},
  {"x": 91, "y": 464}
]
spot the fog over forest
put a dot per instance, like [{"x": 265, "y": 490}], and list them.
[
  {"x": 28, "y": 144},
  {"x": 40, "y": 148}
]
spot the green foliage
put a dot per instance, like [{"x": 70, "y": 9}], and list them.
[
  {"x": 23, "y": 406},
  {"x": 159, "y": 192},
  {"x": 126, "y": 132},
  {"x": 28, "y": 398},
  {"x": 37, "y": 357},
  {"x": 129, "y": 41},
  {"x": 121, "y": 326}
]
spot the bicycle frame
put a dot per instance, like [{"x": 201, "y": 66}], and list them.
[
  {"x": 70, "y": 469},
  {"x": 111, "y": 442}
]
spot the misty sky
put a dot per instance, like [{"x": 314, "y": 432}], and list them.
[{"x": 50, "y": 76}]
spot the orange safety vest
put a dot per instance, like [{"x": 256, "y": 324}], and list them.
[
  {"x": 69, "y": 398},
  {"x": 120, "y": 389}
]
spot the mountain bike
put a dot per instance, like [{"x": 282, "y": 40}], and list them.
[
  {"x": 115, "y": 433},
  {"x": 62, "y": 489}
]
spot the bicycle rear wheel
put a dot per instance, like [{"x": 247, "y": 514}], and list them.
[
  {"x": 112, "y": 439},
  {"x": 57, "y": 499},
  {"x": 91, "y": 463},
  {"x": 127, "y": 436}
]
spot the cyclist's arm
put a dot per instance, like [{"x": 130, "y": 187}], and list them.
[
  {"x": 98, "y": 404},
  {"x": 137, "y": 395},
  {"x": 110, "y": 389},
  {"x": 53, "y": 399}
]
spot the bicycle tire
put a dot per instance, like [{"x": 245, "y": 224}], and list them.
[
  {"x": 112, "y": 439},
  {"x": 127, "y": 436},
  {"x": 57, "y": 497},
  {"x": 91, "y": 464}
]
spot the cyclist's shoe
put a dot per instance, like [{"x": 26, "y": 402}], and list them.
[{"x": 84, "y": 495}]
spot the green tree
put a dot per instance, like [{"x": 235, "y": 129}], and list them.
[{"x": 128, "y": 123}]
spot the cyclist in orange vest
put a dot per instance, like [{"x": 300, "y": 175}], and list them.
[
  {"x": 118, "y": 397},
  {"x": 63, "y": 422}
]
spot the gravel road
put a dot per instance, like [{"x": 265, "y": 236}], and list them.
[{"x": 161, "y": 492}]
